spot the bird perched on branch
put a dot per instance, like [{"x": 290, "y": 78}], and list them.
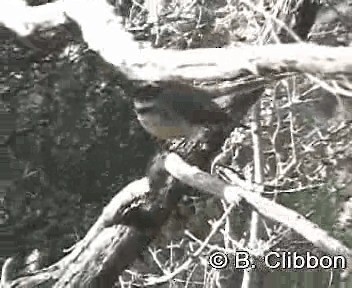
[{"x": 171, "y": 109}]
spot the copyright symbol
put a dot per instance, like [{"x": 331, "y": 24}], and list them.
[{"x": 218, "y": 260}]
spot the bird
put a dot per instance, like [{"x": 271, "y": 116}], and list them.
[{"x": 171, "y": 109}]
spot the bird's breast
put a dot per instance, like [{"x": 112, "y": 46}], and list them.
[
  {"x": 162, "y": 122},
  {"x": 164, "y": 128}
]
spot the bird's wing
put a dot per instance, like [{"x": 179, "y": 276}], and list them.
[{"x": 194, "y": 104}]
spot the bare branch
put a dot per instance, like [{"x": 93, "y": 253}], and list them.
[
  {"x": 104, "y": 33},
  {"x": 108, "y": 248},
  {"x": 203, "y": 181}
]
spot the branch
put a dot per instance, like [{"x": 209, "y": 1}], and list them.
[
  {"x": 251, "y": 277},
  {"x": 203, "y": 181},
  {"x": 111, "y": 244},
  {"x": 127, "y": 225},
  {"x": 104, "y": 33}
]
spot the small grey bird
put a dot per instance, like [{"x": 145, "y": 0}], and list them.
[{"x": 170, "y": 109}]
